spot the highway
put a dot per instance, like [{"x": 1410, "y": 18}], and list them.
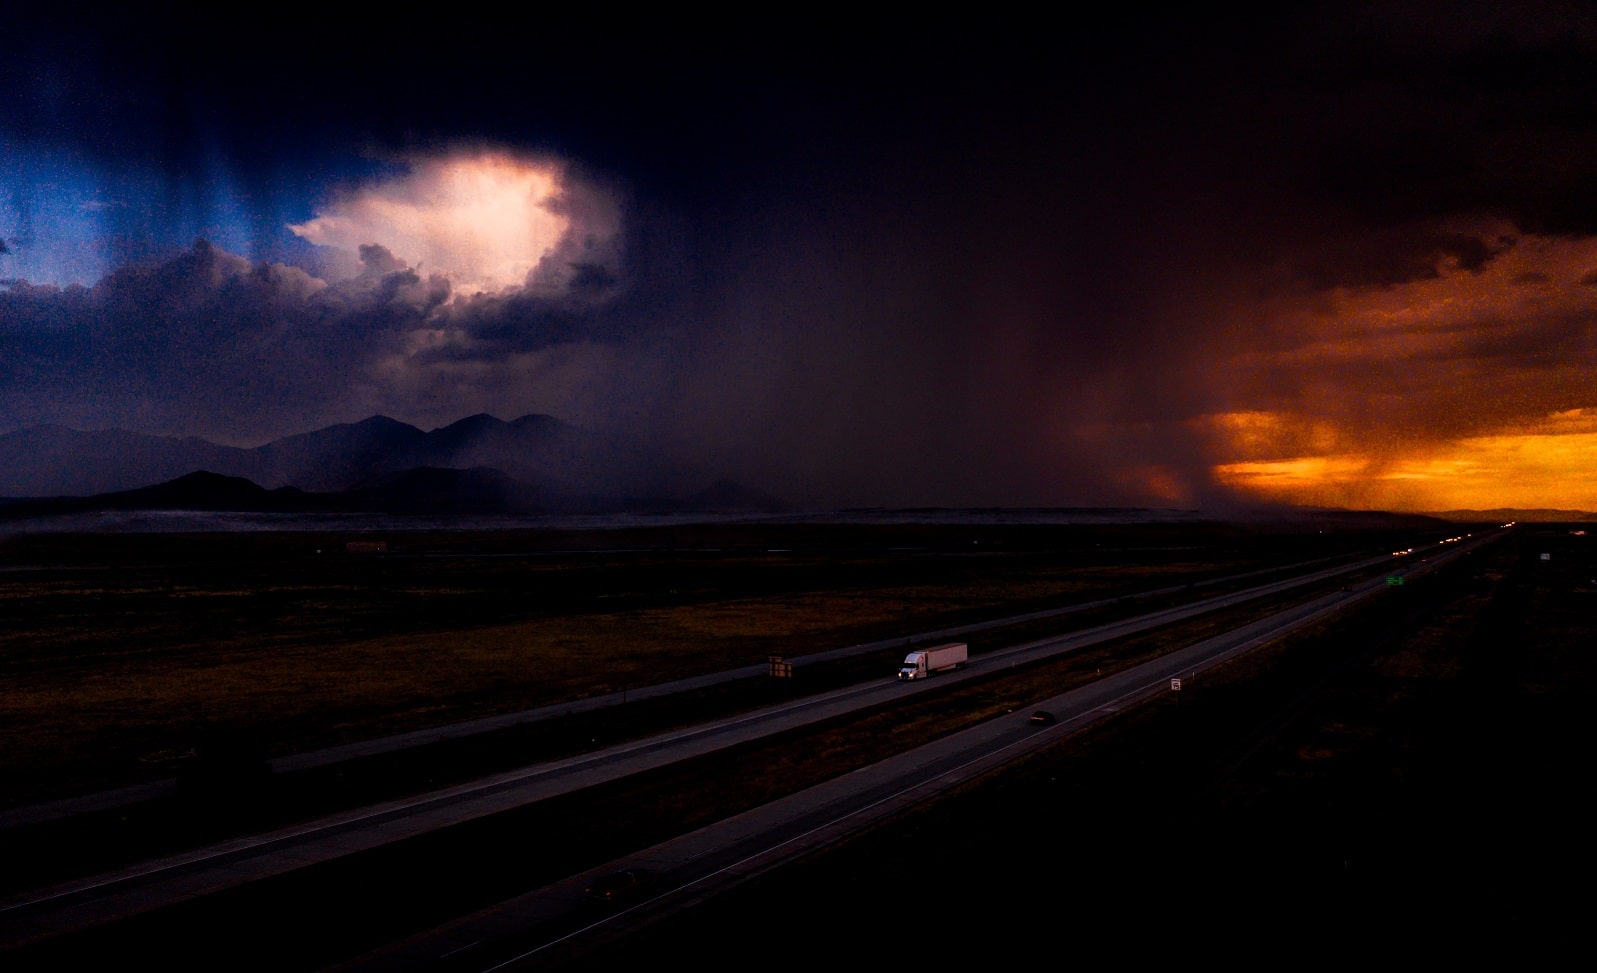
[
  {"x": 538, "y": 930},
  {"x": 533, "y": 929}
]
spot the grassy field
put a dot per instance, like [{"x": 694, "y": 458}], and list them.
[{"x": 123, "y": 654}]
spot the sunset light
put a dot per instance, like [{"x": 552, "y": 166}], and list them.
[
  {"x": 1116, "y": 279},
  {"x": 468, "y": 481},
  {"x": 1546, "y": 467},
  {"x": 1467, "y": 388}
]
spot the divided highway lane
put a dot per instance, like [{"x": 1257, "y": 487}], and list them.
[
  {"x": 544, "y": 927},
  {"x": 126, "y": 796},
  {"x": 84, "y": 904}
]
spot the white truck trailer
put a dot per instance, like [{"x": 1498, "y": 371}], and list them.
[{"x": 923, "y": 662}]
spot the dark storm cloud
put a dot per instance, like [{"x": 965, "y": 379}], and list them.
[
  {"x": 513, "y": 324},
  {"x": 865, "y": 260},
  {"x": 212, "y": 345},
  {"x": 1495, "y": 111},
  {"x": 1395, "y": 255}
]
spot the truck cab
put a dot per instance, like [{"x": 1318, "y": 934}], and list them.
[
  {"x": 923, "y": 662},
  {"x": 914, "y": 667}
]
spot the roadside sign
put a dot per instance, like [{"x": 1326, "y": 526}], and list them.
[
  {"x": 1395, "y": 579},
  {"x": 1175, "y": 684}
]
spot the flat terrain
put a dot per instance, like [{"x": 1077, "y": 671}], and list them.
[
  {"x": 1406, "y": 784},
  {"x": 1411, "y": 770},
  {"x": 125, "y": 656}
]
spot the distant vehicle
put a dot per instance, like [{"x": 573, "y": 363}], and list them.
[
  {"x": 923, "y": 662},
  {"x": 621, "y": 885},
  {"x": 1043, "y": 718}
]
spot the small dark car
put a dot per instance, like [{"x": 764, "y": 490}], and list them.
[
  {"x": 621, "y": 885},
  {"x": 1043, "y": 718}
]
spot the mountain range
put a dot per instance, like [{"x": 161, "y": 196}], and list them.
[{"x": 479, "y": 465}]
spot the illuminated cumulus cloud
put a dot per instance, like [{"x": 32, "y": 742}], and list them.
[
  {"x": 475, "y": 282},
  {"x": 488, "y": 222},
  {"x": 1469, "y": 388}
]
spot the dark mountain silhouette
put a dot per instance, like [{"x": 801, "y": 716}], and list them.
[
  {"x": 336, "y": 457},
  {"x": 50, "y": 461},
  {"x": 421, "y": 491},
  {"x": 201, "y": 490},
  {"x": 479, "y": 465}
]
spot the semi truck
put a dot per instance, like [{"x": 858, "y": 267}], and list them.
[{"x": 923, "y": 662}]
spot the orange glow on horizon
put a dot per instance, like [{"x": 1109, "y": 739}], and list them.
[
  {"x": 1546, "y": 467},
  {"x": 1466, "y": 388}
]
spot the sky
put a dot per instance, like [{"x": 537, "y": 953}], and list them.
[{"x": 1343, "y": 254}]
